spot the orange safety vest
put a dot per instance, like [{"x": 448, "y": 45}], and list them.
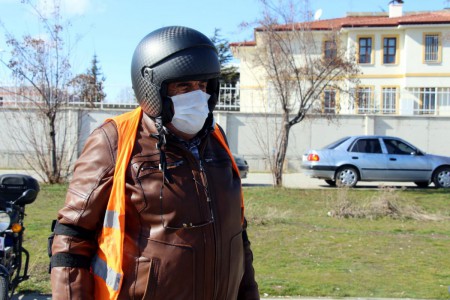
[{"x": 107, "y": 264}]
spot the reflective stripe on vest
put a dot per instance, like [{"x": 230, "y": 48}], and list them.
[{"x": 107, "y": 264}]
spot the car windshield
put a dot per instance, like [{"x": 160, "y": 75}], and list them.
[{"x": 335, "y": 144}]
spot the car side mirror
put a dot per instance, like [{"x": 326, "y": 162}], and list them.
[{"x": 417, "y": 152}]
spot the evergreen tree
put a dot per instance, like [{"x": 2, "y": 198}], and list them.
[
  {"x": 89, "y": 86},
  {"x": 229, "y": 73}
]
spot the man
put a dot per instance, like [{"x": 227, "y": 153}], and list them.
[{"x": 154, "y": 209}]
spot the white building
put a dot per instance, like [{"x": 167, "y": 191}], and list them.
[{"x": 404, "y": 58}]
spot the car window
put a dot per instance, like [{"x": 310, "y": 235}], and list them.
[
  {"x": 366, "y": 146},
  {"x": 336, "y": 143},
  {"x": 398, "y": 147}
]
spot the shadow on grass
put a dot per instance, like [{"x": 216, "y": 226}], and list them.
[{"x": 256, "y": 185}]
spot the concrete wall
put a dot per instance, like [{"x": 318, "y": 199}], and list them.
[
  {"x": 254, "y": 135},
  {"x": 245, "y": 132}
]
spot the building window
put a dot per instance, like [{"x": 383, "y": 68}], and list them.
[
  {"x": 389, "y": 50},
  {"x": 365, "y": 50},
  {"x": 432, "y": 47},
  {"x": 427, "y": 103},
  {"x": 330, "y": 49},
  {"x": 364, "y": 98},
  {"x": 389, "y": 100},
  {"x": 329, "y": 101}
]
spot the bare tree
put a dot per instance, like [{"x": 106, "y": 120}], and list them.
[
  {"x": 299, "y": 64},
  {"x": 89, "y": 85},
  {"x": 42, "y": 72}
]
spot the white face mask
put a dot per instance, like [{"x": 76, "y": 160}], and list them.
[{"x": 191, "y": 111}]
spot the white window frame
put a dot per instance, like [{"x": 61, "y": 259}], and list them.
[
  {"x": 389, "y": 99},
  {"x": 432, "y": 47}
]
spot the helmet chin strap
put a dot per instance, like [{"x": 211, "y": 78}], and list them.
[{"x": 161, "y": 146}]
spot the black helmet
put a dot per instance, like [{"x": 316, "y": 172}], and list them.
[{"x": 171, "y": 54}]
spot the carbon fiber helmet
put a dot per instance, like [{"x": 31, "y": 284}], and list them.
[{"x": 172, "y": 54}]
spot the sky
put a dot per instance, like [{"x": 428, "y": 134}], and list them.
[{"x": 112, "y": 29}]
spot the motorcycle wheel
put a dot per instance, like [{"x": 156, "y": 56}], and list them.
[{"x": 3, "y": 287}]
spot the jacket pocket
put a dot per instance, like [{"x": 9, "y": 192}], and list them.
[
  {"x": 147, "y": 272},
  {"x": 237, "y": 265},
  {"x": 175, "y": 271}
]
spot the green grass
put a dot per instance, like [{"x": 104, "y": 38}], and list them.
[
  {"x": 300, "y": 250},
  {"x": 37, "y": 230}
]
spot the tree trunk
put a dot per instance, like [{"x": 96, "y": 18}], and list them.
[
  {"x": 54, "y": 176},
  {"x": 280, "y": 155}
]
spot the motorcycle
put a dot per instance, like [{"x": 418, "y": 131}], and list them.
[{"x": 16, "y": 191}]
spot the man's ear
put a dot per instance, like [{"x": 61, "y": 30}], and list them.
[{"x": 213, "y": 89}]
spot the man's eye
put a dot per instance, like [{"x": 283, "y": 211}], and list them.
[{"x": 182, "y": 85}]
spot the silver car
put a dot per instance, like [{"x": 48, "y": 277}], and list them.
[{"x": 376, "y": 158}]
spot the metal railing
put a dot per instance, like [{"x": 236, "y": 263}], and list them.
[
  {"x": 228, "y": 100},
  {"x": 407, "y": 101},
  {"x": 393, "y": 101}
]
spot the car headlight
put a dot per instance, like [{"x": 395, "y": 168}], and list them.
[{"x": 5, "y": 221}]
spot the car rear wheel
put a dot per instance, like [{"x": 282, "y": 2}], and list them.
[
  {"x": 441, "y": 177},
  {"x": 422, "y": 184},
  {"x": 330, "y": 182},
  {"x": 346, "y": 177}
]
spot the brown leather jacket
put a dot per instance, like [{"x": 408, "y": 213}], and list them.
[{"x": 212, "y": 261}]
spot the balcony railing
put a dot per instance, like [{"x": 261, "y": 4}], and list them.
[
  {"x": 391, "y": 101},
  {"x": 407, "y": 101},
  {"x": 228, "y": 100}
]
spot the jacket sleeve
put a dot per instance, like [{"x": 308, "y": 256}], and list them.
[
  {"x": 81, "y": 217},
  {"x": 248, "y": 289}
]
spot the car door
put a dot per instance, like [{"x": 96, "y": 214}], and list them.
[
  {"x": 405, "y": 162},
  {"x": 366, "y": 154}
]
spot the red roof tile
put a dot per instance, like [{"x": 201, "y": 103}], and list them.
[
  {"x": 243, "y": 44},
  {"x": 434, "y": 17},
  {"x": 365, "y": 20}
]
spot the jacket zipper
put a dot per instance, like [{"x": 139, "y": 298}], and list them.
[
  {"x": 200, "y": 165},
  {"x": 169, "y": 166},
  {"x": 215, "y": 230}
]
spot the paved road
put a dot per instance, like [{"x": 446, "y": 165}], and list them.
[
  {"x": 290, "y": 180},
  {"x": 31, "y": 297},
  {"x": 299, "y": 180}
]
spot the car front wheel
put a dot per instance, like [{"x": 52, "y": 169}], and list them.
[
  {"x": 441, "y": 177},
  {"x": 346, "y": 177}
]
